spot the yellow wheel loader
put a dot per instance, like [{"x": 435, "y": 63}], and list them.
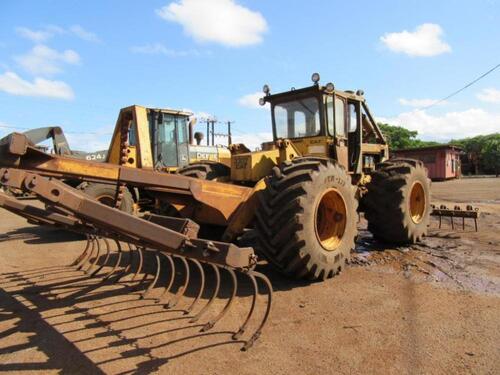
[
  {"x": 155, "y": 139},
  {"x": 327, "y": 161}
]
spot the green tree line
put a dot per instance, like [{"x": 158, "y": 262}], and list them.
[{"x": 482, "y": 152}]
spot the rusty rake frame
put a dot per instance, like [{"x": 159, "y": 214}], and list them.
[{"x": 167, "y": 237}]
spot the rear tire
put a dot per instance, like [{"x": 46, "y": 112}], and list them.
[
  {"x": 106, "y": 194},
  {"x": 206, "y": 170},
  {"x": 306, "y": 222},
  {"x": 397, "y": 204}
]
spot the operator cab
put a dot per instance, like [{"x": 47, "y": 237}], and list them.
[
  {"x": 322, "y": 121},
  {"x": 170, "y": 138}
]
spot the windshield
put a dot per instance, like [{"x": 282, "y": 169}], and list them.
[{"x": 297, "y": 119}]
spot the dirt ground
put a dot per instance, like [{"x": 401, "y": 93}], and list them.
[{"x": 433, "y": 308}]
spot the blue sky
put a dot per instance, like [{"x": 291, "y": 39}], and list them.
[{"x": 75, "y": 64}]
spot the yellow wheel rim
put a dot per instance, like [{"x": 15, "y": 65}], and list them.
[
  {"x": 417, "y": 202},
  {"x": 331, "y": 219}
]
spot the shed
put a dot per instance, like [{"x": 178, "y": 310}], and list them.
[{"x": 441, "y": 161}]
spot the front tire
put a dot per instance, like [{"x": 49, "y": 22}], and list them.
[
  {"x": 106, "y": 194},
  {"x": 206, "y": 170},
  {"x": 306, "y": 221}
]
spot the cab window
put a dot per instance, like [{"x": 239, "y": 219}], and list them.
[
  {"x": 353, "y": 118},
  {"x": 339, "y": 117},
  {"x": 297, "y": 118},
  {"x": 329, "y": 115},
  {"x": 132, "y": 136}
]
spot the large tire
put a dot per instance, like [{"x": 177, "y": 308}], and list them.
[
  {"x": 106, "y": 194},
  {"x": 292, "y": 226},
  {"x": 397, "y": 204},
  {"x": 206, "y": 170}
]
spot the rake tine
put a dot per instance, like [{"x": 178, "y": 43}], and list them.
[
  {"x": 106, "y": 259},
  {"x": 171, "y": 279},
  {"x": 243, "y": 327},
  {"x": 182, "y": 289},
  {"x": 157, "y": 275},
  {"x": 118, "y": 260},
  {"x": 202, "y": 285},
  {"x": 89, "y": 255},
  {"x": 83, "y": 254},
  {"x": 257, "y": 333},
  {"x": 96, "y": 259},
  {"x": 130, "y": 260},
  {"x": 212, "y": 298},
  {"x": 226, "y": 308},
  {"x": 141, "y": 261}
]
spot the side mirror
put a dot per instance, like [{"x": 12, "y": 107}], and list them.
[{"x": 199, "y": 137}]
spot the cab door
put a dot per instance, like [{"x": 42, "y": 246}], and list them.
[
  {"x": 340, "y": 137},
  {"x": 166, "y": 142},
  {"x": 182, "y": 142}
]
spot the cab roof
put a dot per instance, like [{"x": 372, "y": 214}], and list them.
[{"x": 312, "y": 90}]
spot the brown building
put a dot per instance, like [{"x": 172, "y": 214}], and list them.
[{"x": 442, "y": 161}]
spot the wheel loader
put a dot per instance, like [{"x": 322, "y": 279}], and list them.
[
  {"x": 154, "y": 139},
  {"x": 328, "y": 160}
]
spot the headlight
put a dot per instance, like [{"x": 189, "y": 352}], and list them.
[
  {"x": 266, "y": 89},
  {"x": 315, "y": 78},
  {"x": 330, "y": 87},
  {"x": 262, "y": 101}
]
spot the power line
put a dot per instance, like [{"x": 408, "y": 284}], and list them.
[{"x": 462, "y": 89}]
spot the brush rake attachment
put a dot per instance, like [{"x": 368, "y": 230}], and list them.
[
  {"x": 136, "y": 239},
  {"x": 443, "y": 211}
]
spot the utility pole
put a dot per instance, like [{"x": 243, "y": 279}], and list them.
[
  {"x": 229, "y": 138},
  {"x": 208, "y": 132},
  {"x": 213, "y": 132}
]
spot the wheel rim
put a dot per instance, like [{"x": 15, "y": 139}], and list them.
[
  {"x": 417, "y": 202},
  {"x": 331, "y": 219},
  {"x": 107, "y": 200}
]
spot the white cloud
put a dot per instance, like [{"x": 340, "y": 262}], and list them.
[
  {"x": 418, "y": 103},
  {"x": 12, "y": 84},
  {"x": 253, "y": 141},
  {"x": 220, "y": 21},
  {"x": 47, "y": 32},
  {"x": 35, "y": 35},
  {"x": 81, "y": 33},
  {"x": 424, "y": 41},
  {"x": 202, "y": 116},
  {"x": 489, "y": 95},
  {"x": 160, "y": 49},
  {"x": 468, "y": 123},
  {"x": 46, "y": 61},
  {"x": 93, "y": 141},
  {"x": 252, "y": 100}
]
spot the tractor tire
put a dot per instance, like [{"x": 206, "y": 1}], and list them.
[
  {"x": 397, "y": 203},
  {"x": 206, "y": 170},
  {"x": 106, "y": 195},
  {"x": 306, "y": 220}
]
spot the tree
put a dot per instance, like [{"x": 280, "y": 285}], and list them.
[
  {"x": 482, "y": 151},
  {"x": 401, "y": 138},
  {"x": 490, "y": 154}
]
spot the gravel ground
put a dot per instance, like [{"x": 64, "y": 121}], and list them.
[{"x": 430, "y": 308}]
